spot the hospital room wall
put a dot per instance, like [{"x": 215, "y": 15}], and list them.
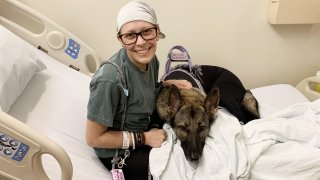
[{"x": 229, "y": 33}]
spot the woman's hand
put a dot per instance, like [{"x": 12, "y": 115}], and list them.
[
  {"x": 155, "y": 137},
  {"x": 181, "y": 84}
]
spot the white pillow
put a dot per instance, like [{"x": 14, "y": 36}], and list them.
[
  {"x": 275, "y": 97},
  {"x": 18, "y": 63}
]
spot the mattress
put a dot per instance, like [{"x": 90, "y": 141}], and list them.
[{"x": 54, "y": 102}]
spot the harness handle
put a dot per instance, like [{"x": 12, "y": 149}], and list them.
[{"x": 182, "y": 56}]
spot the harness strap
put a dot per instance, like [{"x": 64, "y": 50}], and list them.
[{"x": 123, "y": 86}]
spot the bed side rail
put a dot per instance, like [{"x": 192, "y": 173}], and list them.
[
  {"x": 48, "y": 36},
  {"x": 310, "y": 87},
  {"x": 21, "y": 148}
]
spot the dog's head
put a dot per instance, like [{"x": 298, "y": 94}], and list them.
[{"x": 190, "y": 114}]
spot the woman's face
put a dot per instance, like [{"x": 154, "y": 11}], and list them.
[{"x": 142, "y": 51}]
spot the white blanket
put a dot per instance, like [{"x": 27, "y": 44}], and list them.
[{"x": 283, "y": 146}]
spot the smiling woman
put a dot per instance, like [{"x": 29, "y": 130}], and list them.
[{"x": 121, "y": 107}]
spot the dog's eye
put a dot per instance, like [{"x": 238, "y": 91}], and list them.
[
  {"x": 182, "y": 128},
  {"x": 167, "y": 117},
  {"x": 202, "y": 128}
]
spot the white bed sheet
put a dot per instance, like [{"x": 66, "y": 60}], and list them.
[
  {"x": 282, "y": 146},
  {"x": 54, "y": 102},
  {"x": 229, "y": 154}
]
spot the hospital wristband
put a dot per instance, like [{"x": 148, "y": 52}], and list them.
[
  {"x": 133, "y": 140},
  {"x": 125, "y": 140}
]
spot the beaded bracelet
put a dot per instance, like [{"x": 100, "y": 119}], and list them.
[
  {"x": 139, "y": 139},
  {"x": 136, "y": 138},
  {"x": 143, "y": 138}
]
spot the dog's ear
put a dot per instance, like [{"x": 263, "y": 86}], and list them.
[
  {"x": 175, "y": 100},
  {"x": 168, "y": 103},
  {"x": 212, "y": 103}
]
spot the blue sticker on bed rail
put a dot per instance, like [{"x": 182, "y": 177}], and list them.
[
  {"x": 73, "y": 49},
  {"x": 21, "y": 152}
]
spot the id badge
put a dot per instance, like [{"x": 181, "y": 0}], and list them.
[{"x": 117, "y": 174}]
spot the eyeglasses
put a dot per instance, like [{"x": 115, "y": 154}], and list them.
[{"x": 131, "y": 38}]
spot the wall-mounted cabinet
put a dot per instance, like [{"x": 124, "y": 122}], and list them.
[{"x": 294, "y": 11}]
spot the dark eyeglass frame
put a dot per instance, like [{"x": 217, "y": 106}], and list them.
[{"x": 139, "y": 34}]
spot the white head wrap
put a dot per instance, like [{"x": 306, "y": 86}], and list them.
[{"x": 136, "y": 10}]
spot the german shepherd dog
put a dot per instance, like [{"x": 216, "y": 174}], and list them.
[{"x": 190, "y": 112}]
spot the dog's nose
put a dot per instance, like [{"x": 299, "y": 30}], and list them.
[{"x": 194, "y": 159}]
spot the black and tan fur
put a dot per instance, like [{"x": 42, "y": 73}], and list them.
[
  {"x": 250, "y": 104},
  {"x": 191, "y": 113}
]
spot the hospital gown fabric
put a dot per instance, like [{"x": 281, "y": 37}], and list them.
[{"x": 285, "y": 144}]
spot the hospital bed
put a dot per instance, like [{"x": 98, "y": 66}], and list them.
[{"x": 44, "y": 82}]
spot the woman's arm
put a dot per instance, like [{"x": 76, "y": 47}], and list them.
[
  {"x": 181, "y": 84},
  {"x": 99, "y": 136},
  {"x": 155, "y": 137}
]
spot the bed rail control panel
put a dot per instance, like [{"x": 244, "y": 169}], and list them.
[
  {"x": 21, "y": 150},
  {"x": 12, "y": 148}
]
